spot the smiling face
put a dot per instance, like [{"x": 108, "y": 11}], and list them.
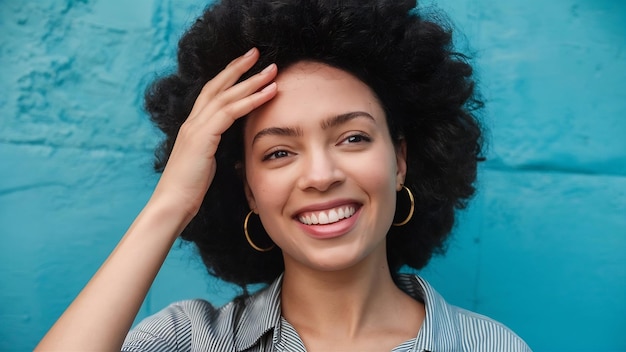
[{"x": 321, "y": 169}]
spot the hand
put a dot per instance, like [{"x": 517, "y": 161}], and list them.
[
  {"x": 101, "y": 315},
  {"x": 191, "y": 166}
]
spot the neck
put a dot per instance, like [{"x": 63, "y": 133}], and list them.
[{"x": 346, "y": 303}]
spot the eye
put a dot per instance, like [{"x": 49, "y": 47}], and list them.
[
  {"x": 357, "y": 138},
  {"x": 276, "y": 155}
]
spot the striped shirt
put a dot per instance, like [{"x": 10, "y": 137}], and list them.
[{"x": 255, "y": 324}]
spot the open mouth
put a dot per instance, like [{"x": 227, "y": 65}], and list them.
[{"x": 328, "y": 216}]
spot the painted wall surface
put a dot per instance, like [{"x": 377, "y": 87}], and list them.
[{"x": 541, "y": 249}]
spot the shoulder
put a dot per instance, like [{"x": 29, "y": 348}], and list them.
[
  {"x": 181, "y": 325},
  {"x": 196, "y": 325},
  {"x": 481, "y": 333},
  {"x": 450, "y": 328}
]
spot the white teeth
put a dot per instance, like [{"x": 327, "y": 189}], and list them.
[
  {"x": 333, "y": 216},
  {"x": 327, "y": 217},
  {"x": 323, "y": 218}
]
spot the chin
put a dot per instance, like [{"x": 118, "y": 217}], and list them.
[{"x": 336, "y": 259}]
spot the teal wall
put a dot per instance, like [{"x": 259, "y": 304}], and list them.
[{"x": 542, "y": 248}]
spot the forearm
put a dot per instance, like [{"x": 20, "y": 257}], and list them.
[{"x": 100, "y": 317}]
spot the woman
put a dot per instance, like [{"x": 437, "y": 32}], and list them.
[{"x": 284, "y": 166}]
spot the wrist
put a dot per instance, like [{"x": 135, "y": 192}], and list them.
[{"x": 167, "y": 214}]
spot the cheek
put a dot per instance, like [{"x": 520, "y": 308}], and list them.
[
  {"x": 270, "y": 190},
  {"x": 271, "y": 195},
  {"x": 381, "y": 181},
  {"x": 377, "y": 169}
]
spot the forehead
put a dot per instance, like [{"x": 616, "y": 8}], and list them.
[{"x": 312, "y": 91}]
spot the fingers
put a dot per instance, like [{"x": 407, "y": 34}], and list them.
[
  {"x": 225, "y": 117},
  {"x": 247, "y": 87},
  {"x": 239, "y": 100},
  {"x": 226, "y": 78},
  {"x": 220, "y": 102}
]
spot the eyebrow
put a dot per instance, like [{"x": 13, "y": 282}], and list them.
[
  {"x": 343, "y": 118},
  {"x": 278, "y": 131},
  {"x": 326, "y": 124}
]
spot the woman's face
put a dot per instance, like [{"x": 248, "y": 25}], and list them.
[{"x": 321, "y": 169}]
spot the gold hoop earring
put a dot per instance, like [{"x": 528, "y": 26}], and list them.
[
  {"x": 245, "y": 231},
  {"x": 408, "y": 218}
]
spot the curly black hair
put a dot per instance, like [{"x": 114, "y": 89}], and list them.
[{"x": 408, "y": 60}]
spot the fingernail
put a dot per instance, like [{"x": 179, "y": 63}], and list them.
[
  {"x": 269, "y": 87},
  {"x": 268, "y": 68},
  {"x": 250, "y": 52}
]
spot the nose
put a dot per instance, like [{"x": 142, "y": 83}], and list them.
[{"x": 321, "y": 171}]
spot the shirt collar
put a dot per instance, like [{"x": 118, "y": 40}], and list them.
[
  {"x": 261, "y": 313},
  {"x": 440, "y": 329}
]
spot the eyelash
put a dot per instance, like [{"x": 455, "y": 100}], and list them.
[
  {"x": 277, "y": 154},
  {"x": 361, "y": 136},
  {"x": 274, "y": 155}
]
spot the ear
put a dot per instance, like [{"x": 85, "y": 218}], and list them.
[
  {"x": 400, "y": 164},
  {"x": 249, "y": 196}
]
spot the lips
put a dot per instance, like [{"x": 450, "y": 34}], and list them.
[
  {"x": 330, "y": 219},
  {"x": 327, "y": 216}
]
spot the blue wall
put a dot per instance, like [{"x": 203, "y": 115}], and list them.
[{"x": 541, "y": 249}]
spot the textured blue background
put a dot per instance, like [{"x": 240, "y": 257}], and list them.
[{"x": 542, "y": 248}]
